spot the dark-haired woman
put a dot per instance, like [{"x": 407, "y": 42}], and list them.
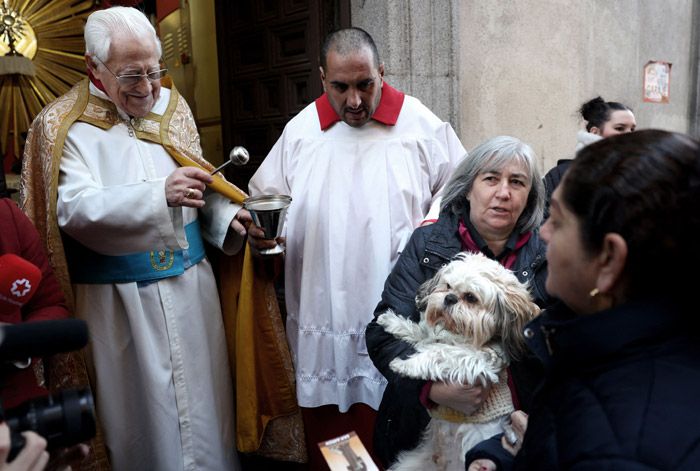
[
  {"x": 603, "y": 119},
  {"x": 622, "y": 354}
]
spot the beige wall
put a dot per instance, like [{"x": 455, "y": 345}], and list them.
[
  {"x": 206, "y": 78},
  {"x": 416, "y": 40},
  {"x": 526, "y": 66},
  {"x": 204, "y": 52}
]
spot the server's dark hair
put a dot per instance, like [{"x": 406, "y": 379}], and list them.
[{"x": 346, "y": 41}]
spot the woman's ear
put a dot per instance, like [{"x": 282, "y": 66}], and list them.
[
  {"x": 612, "y": 260},
  {"x": 596, "y": 130}
]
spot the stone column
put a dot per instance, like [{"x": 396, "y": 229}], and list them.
[{"x": 418, "y": 44}]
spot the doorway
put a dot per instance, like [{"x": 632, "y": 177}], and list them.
[{"x": 268, "y": 69}]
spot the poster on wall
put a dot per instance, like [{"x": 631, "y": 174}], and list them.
[{"x": 657, "y": 82}]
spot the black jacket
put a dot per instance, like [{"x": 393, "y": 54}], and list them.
[
  {"x": 551, "y": 181},
  {"x": 402, "y": 418},
  {"x": 622, "y": 391}
]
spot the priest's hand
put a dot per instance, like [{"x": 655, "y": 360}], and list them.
[{"x": 185, "y": 187}]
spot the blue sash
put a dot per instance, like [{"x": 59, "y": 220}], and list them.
[{"x": 88, "y": 267}]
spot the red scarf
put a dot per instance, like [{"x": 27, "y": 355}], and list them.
[{"x": 469, "y": 245}]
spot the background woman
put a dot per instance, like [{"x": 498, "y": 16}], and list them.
[{"x": 603, "y": 119}]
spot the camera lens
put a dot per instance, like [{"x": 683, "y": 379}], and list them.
[{"x": 63, "y": 419}]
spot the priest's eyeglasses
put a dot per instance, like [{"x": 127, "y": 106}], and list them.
[{"x": 130, "y": 80}]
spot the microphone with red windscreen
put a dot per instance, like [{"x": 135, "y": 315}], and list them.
[{"x": 19, "y": 280}]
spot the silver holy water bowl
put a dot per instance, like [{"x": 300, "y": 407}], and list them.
[{"x": 268, "y": 213}]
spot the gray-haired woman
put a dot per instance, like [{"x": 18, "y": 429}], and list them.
[{"x": 493, "y": 204}]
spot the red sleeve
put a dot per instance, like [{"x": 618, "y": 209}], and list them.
[
  {"x": 48, "y": 303},
  {"x": 424, "y": 395}
]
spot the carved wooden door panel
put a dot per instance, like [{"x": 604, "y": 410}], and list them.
[{"x": 268, "y": 69}]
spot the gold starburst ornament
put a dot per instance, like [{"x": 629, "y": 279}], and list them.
[{"x": 41, "y": 58}]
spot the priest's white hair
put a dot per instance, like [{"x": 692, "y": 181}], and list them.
[{"x": 103, "y": 26}]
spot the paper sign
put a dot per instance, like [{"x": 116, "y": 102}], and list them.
[
  {"x": 347, "y": 453},
  {"x": 657, "y": 82}
]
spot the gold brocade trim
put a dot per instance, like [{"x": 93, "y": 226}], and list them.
[
  {"x": 147, "y": 129},
  {"x": 100, "y": 113},
  {"x": 103, "y": 114},
  {"x": 66, "y": 123},
  {"x": 168, "y": 116}
]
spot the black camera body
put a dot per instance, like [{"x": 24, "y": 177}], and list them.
[{"x": 64, "y": 419}]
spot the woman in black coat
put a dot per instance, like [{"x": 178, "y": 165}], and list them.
[
  {"x": 493, "y": 204},
  {"x": 623, "y": 359}
]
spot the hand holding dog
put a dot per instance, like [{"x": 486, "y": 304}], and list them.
[{"x": 465, "y": 398}]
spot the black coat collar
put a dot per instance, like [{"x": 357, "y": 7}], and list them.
[{"x": 562, "y": 339}]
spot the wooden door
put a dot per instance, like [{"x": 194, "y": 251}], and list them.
[{"x": 268, "y": 69}]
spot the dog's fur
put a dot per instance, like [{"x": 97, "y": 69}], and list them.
[{"x": 472, "y": 316}]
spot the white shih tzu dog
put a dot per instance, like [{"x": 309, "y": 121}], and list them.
[{"x": 472, "y": 316}]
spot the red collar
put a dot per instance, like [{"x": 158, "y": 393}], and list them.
[
  {"x": 386, "y": 113},
  {"x": 96, "y": 82}
]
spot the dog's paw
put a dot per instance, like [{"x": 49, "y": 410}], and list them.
[
  {"x": 387, "y": 318},
  {"x": 414, "y": 367},
  {"x": 466, "y": 365},
  {"x": 400, "y": 327}
]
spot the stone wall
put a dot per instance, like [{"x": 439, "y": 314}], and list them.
[{"x": 524, "y": 67}]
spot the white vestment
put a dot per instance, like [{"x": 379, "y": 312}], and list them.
[
  {"x": 163, "y": 388},
  {"x": 357, "y": 194}
]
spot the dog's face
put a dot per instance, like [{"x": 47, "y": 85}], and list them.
[{"x": 479, "y": 299}]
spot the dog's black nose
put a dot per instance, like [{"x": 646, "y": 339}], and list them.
[{"x": 450, "y": 299}]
